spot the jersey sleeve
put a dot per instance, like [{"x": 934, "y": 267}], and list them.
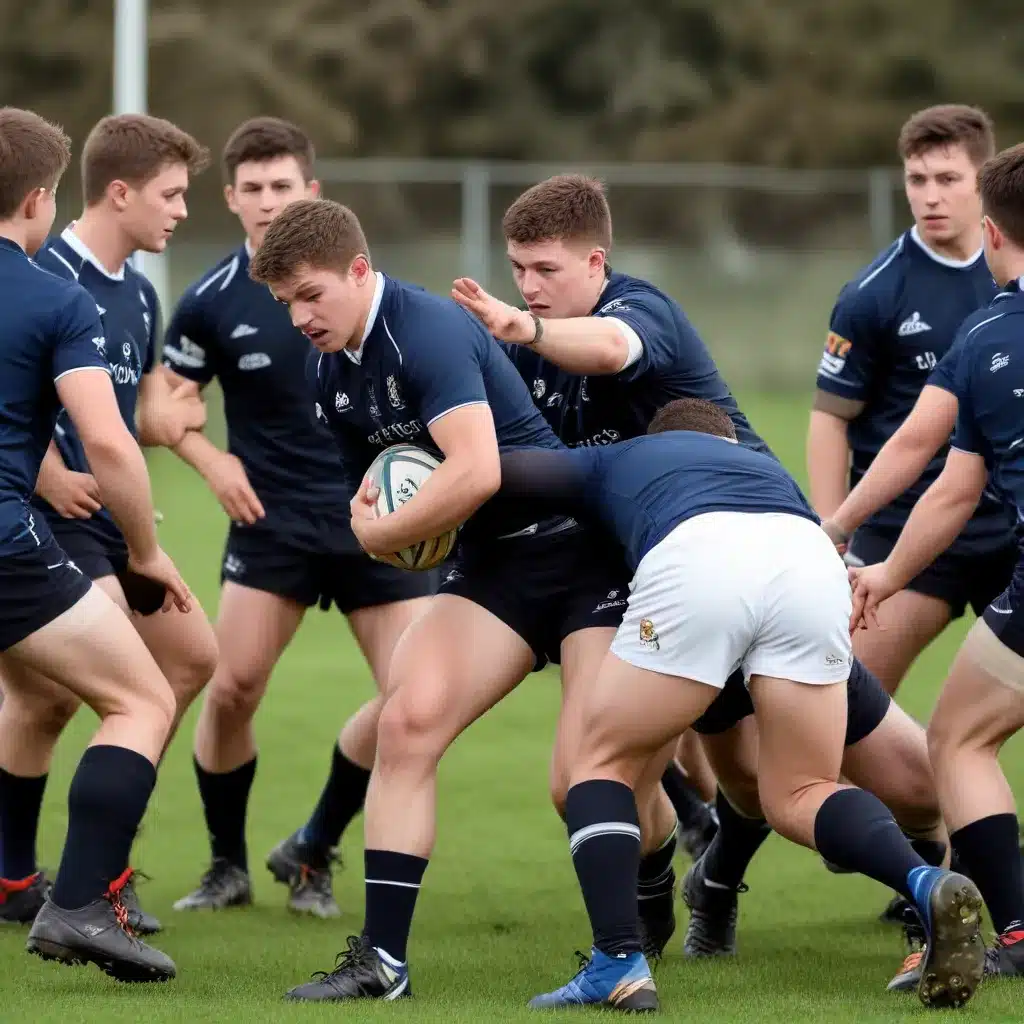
[
  {"x": 156, "y": 327},
  {"x": 852, "y": 349},
  {"x": 190, "y": 346},
  {"x": 443, "y": 364},
  {"x": 967, "y": 435},
  {"x": 650, "y": 318},
  {"x": 78, "y": 341}
]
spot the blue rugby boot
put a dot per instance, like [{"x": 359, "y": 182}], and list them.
[
  {"x": 619, "y": 983},
  {"x": 954, "y": 959}
]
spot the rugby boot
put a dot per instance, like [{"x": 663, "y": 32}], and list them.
[
  {"x": 310, "y": 883},
  {"x": 612, "y": 982},
  {"x": 224, "y": 885},
  {"x": 714, "y": 908},
  {"x": 21, "y": 900},
  {"x": 361, "y": 972},
  {"x": 141, "y": 922}
]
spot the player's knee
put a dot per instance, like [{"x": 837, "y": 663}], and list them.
[
  {"x": 45, "y": 716},
  {"x": 413, "y": 722},
  {"x": 236, "y": 692},
  {"x": 193, "y": 667}
]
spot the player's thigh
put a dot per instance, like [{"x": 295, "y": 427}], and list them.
[
  {"x": 253, "y": 629},
  {"x": 982, "y": 700},
  {"x": 630, "y": 714},
  {"x": 93, "y": 650},
  {"x": 892, "y": 762},
  {"x": 183, "y": 644},
  {"x": 450, "y": 665},
  {"x": 377, "y": 627},
  {"x": 582, "y": 654},
  {"x": 733, "y": 756},
  {"x": 34, "y": 703}
]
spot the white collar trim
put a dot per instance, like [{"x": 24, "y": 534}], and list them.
[
  {"x": 945, "y": 261},
  {"x": 378, "y": 294},
  {"x": 72, "y": 240}
]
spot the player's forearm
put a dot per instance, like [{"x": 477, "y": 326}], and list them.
[
  {"x": 454, "y": 491},
  {"x": 51, "y": 466},
  {"x": 935, "y": 522},
  {"x": 199, "y": 452},
  {"x": 828, "y": 462},
  {"x": 119, "y": 467},
  {"x": 584, "y": 345},
  {"x": 897, "y": 466}
]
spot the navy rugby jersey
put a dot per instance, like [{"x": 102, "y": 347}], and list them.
[
  {"x": 129, "y": 312},
  {"x": 50, "y": 328},
  {"x": 890, "y": 328},
  {"x": 421, "y": 357},
  {"x": 640, "y": 490},
  {"x": 675, "y": 363},
  {"x": 230, "y": 327},
  {"x": 989, "y": 385}
]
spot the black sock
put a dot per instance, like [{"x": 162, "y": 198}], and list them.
[
  {"x": 690, "y": 808},
  {"x": 656, "y": 881},
  {"x": 855, "y": 830},
  {"x": 604, "y": 839},
  {"x": 392, "y": 885},
  {"x": 21, "y": 799},
  {"x": 341, "y": 800},
  {"x": 737, "y": 840},
  {"x": 989, "y": 849},
  {"x": 107, "y": 799},
  {"x": 225, "y": 797},
  {"x": 932, "y": 852}
]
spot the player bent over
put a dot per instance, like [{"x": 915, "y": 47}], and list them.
[
  {"x": 694, "y": 511},
  {"x": 982, "y": 701},
  {"x": 54, "y": 622}
]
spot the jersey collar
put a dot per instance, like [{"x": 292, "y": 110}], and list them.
[
  {"x": 371, "y": 319},
  {"x": 73, "y": 242},
  {"x": 945, "y": 261}
]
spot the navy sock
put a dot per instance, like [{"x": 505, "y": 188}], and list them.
[
  {"x": 689, "y": 806},
  {"x": 736, "y": 842},
  {"x": 855, "y": 830},
  {"x": 989, "y": 849},
  {"x": 341, "y": 800},
  {"x": 604, "y": 839},
  {"x": 225, "y": 797},
  {"x": 656, "y": 880},
  {"x": 106, "y": 802},
  {"x": 931, "y": 852},
  {"x": 21, "y": 799},
  {"x": 392, "y": 885}
]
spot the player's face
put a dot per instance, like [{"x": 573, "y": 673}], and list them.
[
  {"x": 153, "y": 211},
  {"x": 942, "y": 191},
  {"x": 557, "y": 279},
  {"x": 262, "y": 189},
  {"x": 329, "y": 307}
]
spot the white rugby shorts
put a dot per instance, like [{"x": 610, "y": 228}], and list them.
[{"x": 763, "y": 591}]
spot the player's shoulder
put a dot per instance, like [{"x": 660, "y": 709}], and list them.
[
  {"x": 411, "y": 315},
  {"x": 880, "y": 279},
  {"x": 622, "y": 290},
  {"x": 996, "y": 325},
  {"x": 218, "y": 280},
  {"x": 56, "y": 256}
]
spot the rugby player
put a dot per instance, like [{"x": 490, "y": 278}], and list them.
[
  {"x": 135, "y": 172},
  {"x": 775, "y": 602},
  {"x": 613, "y": 349},
  {"x": 289, "y": 547},
  {"x": 982, "y": 701},
  {"x": 890, "y": 327},
  {"x": 397, "y": 364},
  {"x": 55, "y": 624}
]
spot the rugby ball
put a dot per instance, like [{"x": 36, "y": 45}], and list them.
[{"x": 399, "y": 472}]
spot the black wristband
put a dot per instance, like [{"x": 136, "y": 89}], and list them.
[{"x": 538, "y": 331}]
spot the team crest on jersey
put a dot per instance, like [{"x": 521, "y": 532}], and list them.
[
  {"x": 341, "y": 402},
  {"x": 649, "y": 635},
  {"x": 555, "y": 399},
  {"x": 394, "y": 395},
  {"x": 539, "y": 387},
  {"x": 913, "y": 325},
  {"x": 101, "y": 345}
]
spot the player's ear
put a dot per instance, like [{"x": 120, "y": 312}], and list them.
[
  {"x": 229, "y": 198},
  {"x": 993, "y": 235},
  {"x": 313, "y": 189},
  {"x": 596, "y": 261},
  {"x": 30, "y": 205},
  {"x": 117, "y": 193}
]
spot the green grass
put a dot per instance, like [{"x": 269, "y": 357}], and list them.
[{"x": 500, "y": 913}]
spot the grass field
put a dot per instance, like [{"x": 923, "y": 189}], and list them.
[{"x": 500, "y": 913}]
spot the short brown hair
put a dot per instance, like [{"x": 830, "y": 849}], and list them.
[
  {"x": 567, "y": 208},
  {"x": 696, "y": 414},
  {"x": 1001, "y": 186},
  {"x": 317, "y": 233},
  {"x": 135, "y": 148},
  {"x": 33, "y": 154},
  {"x": 950, "y": 124},
  {"x": 267, "y": 138}
]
